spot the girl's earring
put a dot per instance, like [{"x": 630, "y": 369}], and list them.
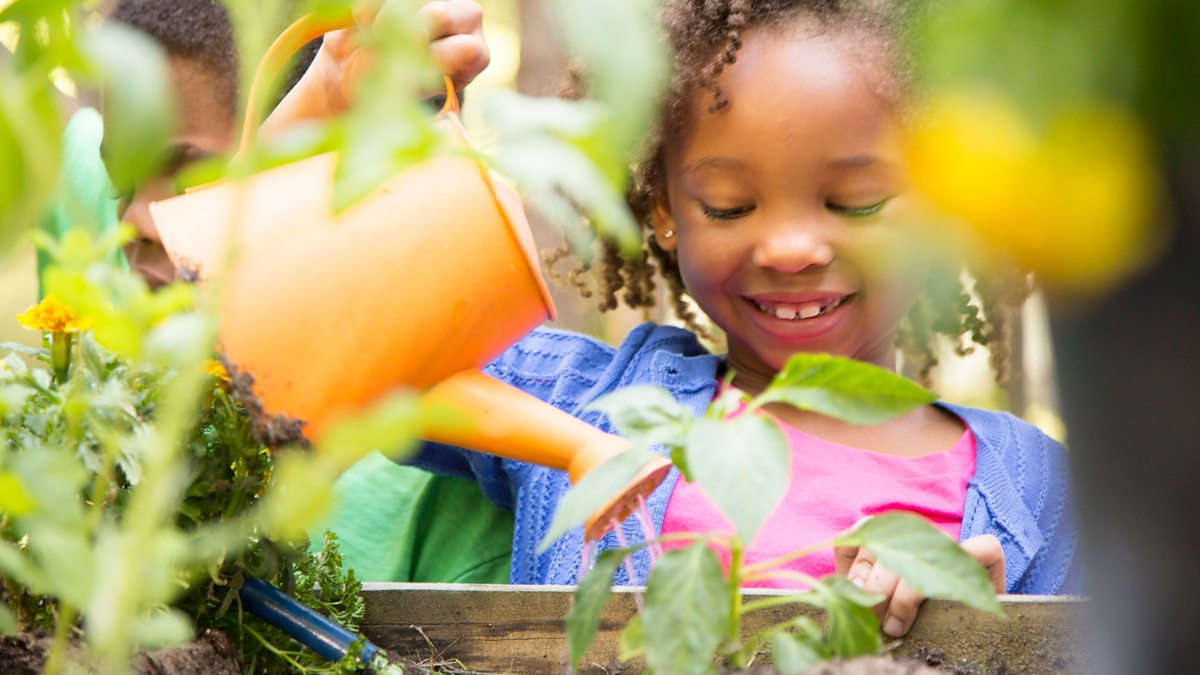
[{"x": 668, "y": 234}]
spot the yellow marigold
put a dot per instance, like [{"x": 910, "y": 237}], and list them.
[
  {"x": 52, "y": 315},
  {"x": 1075, "y": 202},
  {"x": 216, "y": 369}
]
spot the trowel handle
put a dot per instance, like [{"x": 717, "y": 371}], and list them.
[
  {"x": 315, "y": 631},
  {"x": 498, "y": 419}
]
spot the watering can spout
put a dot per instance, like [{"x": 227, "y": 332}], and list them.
[{"x": 419, "y": 285}]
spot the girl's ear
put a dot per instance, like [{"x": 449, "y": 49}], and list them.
[{"x": 663, "y": 222}]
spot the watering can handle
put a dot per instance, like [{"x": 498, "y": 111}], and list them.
[{"x": 306, "y": 29}]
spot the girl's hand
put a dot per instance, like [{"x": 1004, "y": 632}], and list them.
[
  {"x": 456, "y": 42},
  {"x": 899, "y": 608}
]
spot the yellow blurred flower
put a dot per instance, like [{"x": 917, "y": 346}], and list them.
[
  {"x": 1075, "y": 204},
  {"x": 216, "y": 369},
  {"x": 52, "y": 315}
]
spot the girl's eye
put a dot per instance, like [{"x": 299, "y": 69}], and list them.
[
  {"x": 859, "y": 211},
  {"x": 726, "y": 214}
]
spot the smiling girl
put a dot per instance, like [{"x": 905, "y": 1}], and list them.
[{"x": 776, "y": 199}]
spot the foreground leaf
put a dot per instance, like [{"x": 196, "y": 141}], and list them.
[
  {"x": 846, "y": 389},
  {"x": 742, "y": 466},
  {"x": 851, "y": 628},
  {"x": 389, "y": 426},
  {"x": 794, "y": 652},
  {"x": 633, "y": 640},
  {"x": 593, "y": 592},
  {"x": 8, "y": 621},
  {"x": 926, "y": 558},
  {"x": 599, "y": 487},
  {"x": 139, "y": 106},
  {"x": 646, "y": 415},
  {"x": 687, "y": 612}
]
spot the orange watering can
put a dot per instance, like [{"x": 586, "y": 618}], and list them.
[{"x": 419, "y": 285}]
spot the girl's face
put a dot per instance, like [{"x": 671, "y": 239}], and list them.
[{"x": 788, "y": 205}]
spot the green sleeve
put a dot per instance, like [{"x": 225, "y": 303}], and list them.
[
  {"x": 400, "y": 523},
  {"x": 85, "y": 198}
]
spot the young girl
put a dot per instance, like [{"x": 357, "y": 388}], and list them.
[{"x": 776, "y": 199}]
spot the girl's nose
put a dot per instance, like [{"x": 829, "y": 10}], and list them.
[{"x": 791, "y": 249}]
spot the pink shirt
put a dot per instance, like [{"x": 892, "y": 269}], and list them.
[{"x": 830, "y": 488}]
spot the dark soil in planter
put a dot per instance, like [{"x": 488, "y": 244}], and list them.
[
  {"x": 211, "y": 654},
  {"x": 874, "y": 665}
]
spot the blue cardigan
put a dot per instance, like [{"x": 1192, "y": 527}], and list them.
[{"x": 1020, "y": 491}]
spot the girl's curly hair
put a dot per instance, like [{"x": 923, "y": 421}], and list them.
[{"x": 706, "y": 36}]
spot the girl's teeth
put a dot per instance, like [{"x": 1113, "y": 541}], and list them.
[{"x": 793, "y": 312}]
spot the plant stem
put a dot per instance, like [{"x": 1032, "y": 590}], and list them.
[
  {"x": 62, "y": 630},
  {"x": 736, "y": 553},
  {"x": 60, "y": 356},
  {"x": 785, "y": 574},
  {"x": 782, "y": 560}
]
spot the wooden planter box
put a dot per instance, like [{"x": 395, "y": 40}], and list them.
[{"x": 519, "y": 629}]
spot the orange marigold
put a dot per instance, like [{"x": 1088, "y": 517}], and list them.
[
  {"x": 216, "y": 369},
  {"x": 52, "y": 315}
]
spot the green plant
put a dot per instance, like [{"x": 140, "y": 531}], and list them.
[
  {"x": 136, "y": 496},
  {"x": 134, "y": 492},
  {"x": 693, "y": 610}
]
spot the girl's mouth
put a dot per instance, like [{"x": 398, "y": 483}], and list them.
[{"x": 802, "y": 311}]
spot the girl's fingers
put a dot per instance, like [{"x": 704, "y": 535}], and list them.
[
  {"x": 901, "y": 610},
  {"x": 453, "y": 17},
  {"x": 462, "y": 57},
  {"x": 861, "y": 568},
  {"x": 881, "y": 581},
  {"x": 986, "y": 549},
  {"x": 843, "y": 559}
]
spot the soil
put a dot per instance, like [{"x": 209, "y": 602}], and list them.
[
  {"x": 874, "y": 665},
  {"x": 273, "y": 431},
  {"x": 211, "y": 653}
]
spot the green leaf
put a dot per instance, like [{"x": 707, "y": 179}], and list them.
[
  {"x": 162, "y": 628},
  {"x": 926, "y": 558},
  {"x": 139, "y": 106},
  {"x": 390, "y": 426},
  {"x": 595, "y": 489},
  {"x": 726, "y": 403},
  {"x": 30, "y": 151},
  {"x": 742, "y": 466},
  {"x": 851, "y": 627},
  {"x": 8, "y": 621},
  {"x": 14, "y": 500},
  {"x": 300, "y": 496},
  {"x": 646, "y": 415},
  {"x": 795, "y": 652},
  {"x": 687, "y": 611},
  {"x": 633, "y": 640},
  {"x": 593, "y": 592},
  {"x": 562, "y": 181},
  {"x": 16, "y": 565},
  {"x": 628, "y": 79},
  {"x": 848, "y": 389}
]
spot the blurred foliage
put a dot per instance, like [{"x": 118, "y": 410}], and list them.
[
  {"x": 571, "y": 158},
  {"x": 1040, "y": 124}
]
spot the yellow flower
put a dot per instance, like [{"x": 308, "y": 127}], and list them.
[
  {"x": 216, "y": 369},
  {"x": 52, "y": 315},
  {"x": 1076, "y": 203}
]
